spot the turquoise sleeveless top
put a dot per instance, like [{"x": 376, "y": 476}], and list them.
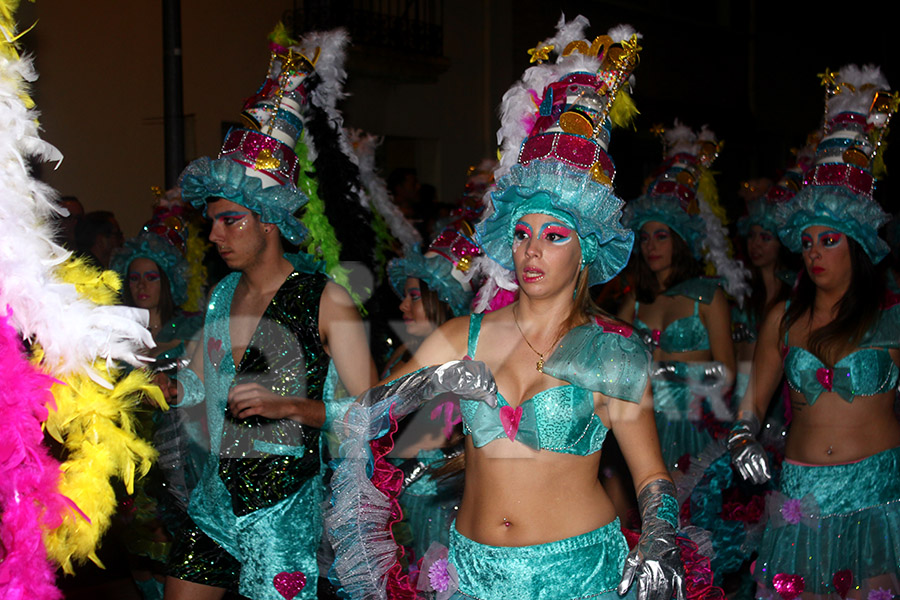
[
  {"x": 688, "y": 333},
  {"x": 866, "y": 372},
  {"x": 598, "y": 356}
]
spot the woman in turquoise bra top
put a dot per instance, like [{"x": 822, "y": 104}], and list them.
[
  {"x": 541, "y": 381},
  {"x": 683, "y": 316},
  {"x": 834, "y": 528}
]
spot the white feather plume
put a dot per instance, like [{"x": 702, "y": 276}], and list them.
[
  {"x": 375, "y": 189},
  {"x": 715, "y": 243},
  {"x": 72, "y": 330},
  {"x": 866, "y": 81}
]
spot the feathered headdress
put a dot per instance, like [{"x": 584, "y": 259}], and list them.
[{"x": 554, "y": 135}]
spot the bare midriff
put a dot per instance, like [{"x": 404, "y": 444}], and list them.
[
  {"x": 834, "y": 431},
  {"x": 517, "y": 496}
]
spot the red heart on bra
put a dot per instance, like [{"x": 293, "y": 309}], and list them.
[
  {"x": 289, "y": 584},
  {"x": 509, "y": 418},
  {"x": 825, "y": 377}
]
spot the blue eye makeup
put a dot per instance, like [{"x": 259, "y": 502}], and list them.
[
  {"x": 231, "y": 217},
  {"x": 556, "y": 233},
  {"x": 521, "y": 232},
  {"x": 830, "y": 239}
]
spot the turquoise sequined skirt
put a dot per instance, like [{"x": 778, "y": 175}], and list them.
[
  {"x": 585, "y": 566},
  {"x": 834, "y": 530}
]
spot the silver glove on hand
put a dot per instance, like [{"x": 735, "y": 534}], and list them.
[
  {"x": 747, "y": 455},
  {"x": 465, "y": 378},
  {"x": 654, "y": 565}
]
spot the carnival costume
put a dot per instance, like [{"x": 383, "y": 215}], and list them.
[
  {"x": 762, "y": 212},
  {"x": 557, "y": 165},
  {"x": 256, "y": 523},
  {"x": 690, "y": 399},
  {"x": 834, "y": 529},
  {"x": 561, "y": 170}
]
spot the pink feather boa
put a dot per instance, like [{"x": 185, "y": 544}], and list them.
[{"x": 29, "y": 476}]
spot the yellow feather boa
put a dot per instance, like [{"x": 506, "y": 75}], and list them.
[{"x": 97, "y": 430}]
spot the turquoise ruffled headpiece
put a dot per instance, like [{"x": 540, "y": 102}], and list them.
[
  {"x": 837, "y": 208},
  {"x": 436, "y": 272},
  {"x": 759, "y": 212},
  {"x": 668, "y": 210},
  {"x": 444, "y": 267},
  {"x": 550, "y": 188},
  {"x": 554, "y": 157},
  {"x": 225, "y": 178},
  {"x": 838, "y": 188},
  {"x": 163, "y": 253},
  {"x": 679, "y": 183}
]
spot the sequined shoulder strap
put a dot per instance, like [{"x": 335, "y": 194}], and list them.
[{"x": 474, "y": 330}]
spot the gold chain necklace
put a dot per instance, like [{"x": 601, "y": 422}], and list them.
[{"x": 540, "y": 363}]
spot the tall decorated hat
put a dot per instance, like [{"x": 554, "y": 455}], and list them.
[
  {"x": 446, "y": 267},
  {"x": 838, "y": 189},
  {"x": 555, "y": 130},
  {"x": 257, "y": 166},
  {"x": 682, "y": 194},
  {"x": 762, "y": 211}
]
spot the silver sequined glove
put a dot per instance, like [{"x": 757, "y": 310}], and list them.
[
  {"x": 654, "y": 565},
  {"x": 747, "y": 455}
]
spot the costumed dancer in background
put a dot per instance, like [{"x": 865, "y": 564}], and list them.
[
  {"x": 534, "y": 521},
  {"x": 54, "y": 509},
  {"x": 772, "y": 268},
  {"x": 683, "y": 315},
  {"x": 277, "y": 334},
  {"x": 435, "y": 286},
  {"x": 155, "y": 273},
  {"x": 834, "y": 528},
  {"x": 685, "y": 320}
]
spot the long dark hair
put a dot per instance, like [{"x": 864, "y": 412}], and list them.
[
  {"x": 684, "y": 267},
  {"x": 757, "y": 307},
  {"x": 166, "y": 302},
  {"x": 857, "y": 311}
]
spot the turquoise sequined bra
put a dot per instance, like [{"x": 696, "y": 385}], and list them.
[
  {"x": 866, "y": 372},
  {"x": 688, "y": 333},
  {"x": 598, "y": 356}
]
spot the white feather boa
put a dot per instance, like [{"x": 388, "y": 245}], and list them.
[
  {"x": 375, "y": 190},
  {"x": 43, "y": 308}
]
